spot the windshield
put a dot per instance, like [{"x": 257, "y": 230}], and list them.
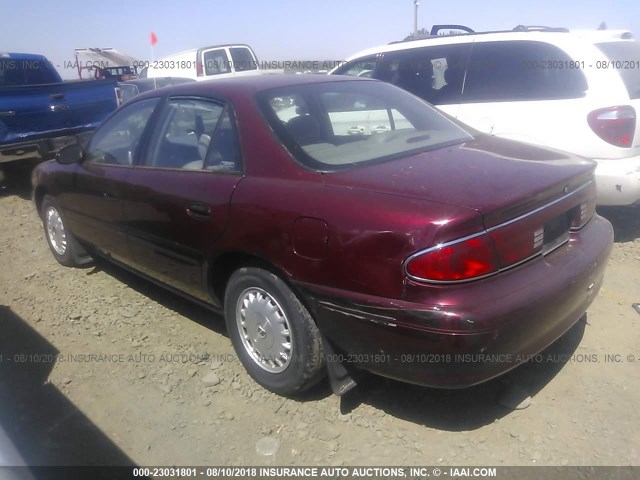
[
  {"x": 625, "y": 58},
  {"x": 337, "y": 125}
]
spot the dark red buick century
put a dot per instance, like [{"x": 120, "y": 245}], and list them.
[{"x": 339, "y": 224}]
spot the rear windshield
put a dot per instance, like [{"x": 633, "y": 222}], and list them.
[
  {"x": 338, "y": 125},
  {"x": 26, "y": 72},
  {"x": 625, "y": 58}
]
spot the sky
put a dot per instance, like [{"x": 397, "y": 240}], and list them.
[{"x": 276, "y": 29}]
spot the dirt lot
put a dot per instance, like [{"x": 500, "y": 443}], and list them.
[{"x": 164, "y": 385}]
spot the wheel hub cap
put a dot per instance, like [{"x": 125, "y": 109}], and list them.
[
  {"x": 264, "y": 330},
  {"x": 55, "y": 231}
]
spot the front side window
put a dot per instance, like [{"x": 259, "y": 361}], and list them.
[
  {"x": 216, "y": 62},
  {"x": 521, "y": 71},
  {"x": 337, "y": 125},
  {"x": 116, "y": 142}
]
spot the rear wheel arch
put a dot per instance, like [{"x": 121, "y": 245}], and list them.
[
  {"x": 222, "y": 267},
  {"x": 38, "y": 197}
]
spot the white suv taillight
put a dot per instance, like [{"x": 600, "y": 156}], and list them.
[{"x": 615, "y": 125}]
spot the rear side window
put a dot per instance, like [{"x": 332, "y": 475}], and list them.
[
  {"x": 26, "y": 72},
  {"x": 224, "y": 152},
  {"x": 520, "y": 71},
  {"x": 242, "y": 59},
  {"x": 185, "y": 134},
  {"x": 216, "y": 62},
  {"x": 625, "y": 58}
]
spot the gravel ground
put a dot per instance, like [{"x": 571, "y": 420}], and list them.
[{"x": 165, "y": 387}]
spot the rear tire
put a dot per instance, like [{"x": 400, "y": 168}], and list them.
[
  {"x": 272, "y": 333},
  {"x": 61, "y": 242}
]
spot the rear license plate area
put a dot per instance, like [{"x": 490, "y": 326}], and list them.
[{"x": 556, "y": 233}]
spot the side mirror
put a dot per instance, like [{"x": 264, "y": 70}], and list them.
[{"x": 69, "y": 154}]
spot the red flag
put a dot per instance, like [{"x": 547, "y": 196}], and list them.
[{"x": 154, "y": 39}]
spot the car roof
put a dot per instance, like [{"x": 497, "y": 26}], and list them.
[
  {"x": 554, "y": 36},
  {"x": 222, "y": 45},
  {"x": 249, "y": 85}
]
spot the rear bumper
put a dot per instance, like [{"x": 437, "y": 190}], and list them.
[
  {"x": 42, "y": 149},
  {"x": 618, "y": 181},
  {"x": 480, "y": 331}
]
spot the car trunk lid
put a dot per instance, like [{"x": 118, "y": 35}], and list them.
[
  {"x": 501, "y": 179},
  {"x": 530, "y": 198}
]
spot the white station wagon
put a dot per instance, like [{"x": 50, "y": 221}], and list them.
[{"x": 577, "y": 91}]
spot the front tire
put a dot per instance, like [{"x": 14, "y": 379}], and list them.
[
  {"x": 60, "y": 240},
  {"x": 272, "y": 333}
]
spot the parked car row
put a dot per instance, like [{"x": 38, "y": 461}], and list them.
[
  {"x": 577, "y": 91},
  {"x": 39, "y": 113}
]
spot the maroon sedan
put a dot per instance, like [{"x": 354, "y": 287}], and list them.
[{"x": 338, "y": 223}]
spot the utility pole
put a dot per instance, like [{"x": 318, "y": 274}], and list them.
[{"x": 416, "y": 4}]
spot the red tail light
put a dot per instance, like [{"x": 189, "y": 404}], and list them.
[
  {"x": 615, "y": 125},
  {"x": 199, "y": 70},
  {"x": 583, "y": 213},
  {"x": 454, "y": 261},
  {"x": 515, "y": 244}
]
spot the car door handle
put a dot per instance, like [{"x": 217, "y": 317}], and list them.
[
  {"x": 198, "y": 211},
  {"x": 109, "y": 196}
]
